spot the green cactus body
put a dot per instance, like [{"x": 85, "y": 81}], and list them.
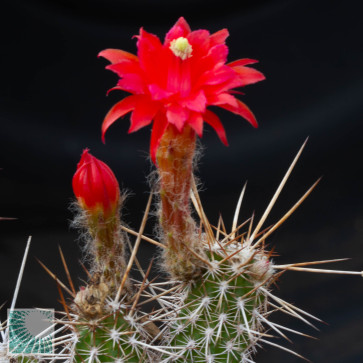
[
  {"x": 219, "y": 320},
  {"x": 113, "y": 339}
]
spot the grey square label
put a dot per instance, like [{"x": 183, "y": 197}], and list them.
[{"x": 31, "y": 331}]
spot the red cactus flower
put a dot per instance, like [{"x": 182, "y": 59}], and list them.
[
  {"x": 173, "y": 83},
  {"x": 95, "y": 186}
]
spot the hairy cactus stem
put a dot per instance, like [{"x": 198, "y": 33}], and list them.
[
  {"x": 107, "y": 249},
  {"x": 175, "y": 165}
]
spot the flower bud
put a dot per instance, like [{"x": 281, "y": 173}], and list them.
[{"x": 95, "y": 186}]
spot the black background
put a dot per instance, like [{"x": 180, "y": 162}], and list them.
[{"x": 52, "y": 102}]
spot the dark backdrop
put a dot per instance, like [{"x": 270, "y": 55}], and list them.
[{"x": 52, "y": 102}]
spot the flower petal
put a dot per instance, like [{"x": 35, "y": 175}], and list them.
[
  {"x": 180, "y": 29},
  {"x": 199, "y": 40},
  {"x": 124, "y": 67},
  {"x": 117, "y": 55},
  {"x": 143, "y": 114},
  {"x": 242, "y": 62},
  {"x": 157, "y": 93},
  {"x": 248, "y": 75},
  {"x": 177, "y": 115},
  {"x": 242, "y": 77},
  {"x": 215, "y": 77},
  {"x": 196, "y": 122},
  {"x": 221, "y": 99},
  {"x": 118, "y": 110},
  {"x": 212, "y": 119},
  {"x": 242, "y": 110},
  {"x": 219, "y": 37},
  {"x": 214, "y": 59},
  {"x": 195, "y": 102},
  {"x": 150, "y": 51},
  {"x": 218, "y": 54},
  {"x": 159, "y": 127},
  {"x": 114, "y": 89},
  {"x": 151, "y": 40},
  {"x": 133, "y": 83}
]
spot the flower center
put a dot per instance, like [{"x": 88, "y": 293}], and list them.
[{"x": 181, "y": 48}]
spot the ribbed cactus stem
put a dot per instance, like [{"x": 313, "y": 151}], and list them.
[
  {"x": 115, "y": 338},
  {"x": 219, "y": 318},
  {"x": 175, "y": 165}
]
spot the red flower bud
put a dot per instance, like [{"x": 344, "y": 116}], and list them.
[{"x": 95, "y": 186}]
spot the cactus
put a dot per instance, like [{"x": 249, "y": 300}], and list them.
[
  {"x": 219, "y": 319},
  {"x": 223, "y": 314},
  {"x": 112, "y": 338},
  {"x": 215, "y": 302}
]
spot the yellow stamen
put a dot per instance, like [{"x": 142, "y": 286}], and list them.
[{"x": 181, "y": 48}]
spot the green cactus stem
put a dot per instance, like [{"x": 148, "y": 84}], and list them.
[
  {"x": 116, "y": 337},
  {"x": 220, "y": 315}
]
